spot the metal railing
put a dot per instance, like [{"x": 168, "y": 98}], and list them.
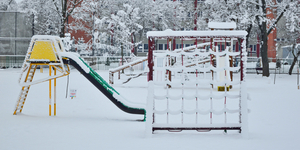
[
  {"x": 11, "y": 61},
  {"x": 283, "y": 65},
  {"x": 96, "y": 62},
  {"x": 105, "y": 63}
]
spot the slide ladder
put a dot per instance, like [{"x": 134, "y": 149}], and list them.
[{"x": 25, "y": 89}]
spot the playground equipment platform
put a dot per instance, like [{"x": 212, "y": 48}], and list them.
[{"x": 49, "y": 51}]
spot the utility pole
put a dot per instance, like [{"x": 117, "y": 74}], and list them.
[
  {"x": 196, "y": 15},
  {"x": 122, "y": 54},
  {"x": 93, "y": 45},
  {"x": 32, "y": 24}
]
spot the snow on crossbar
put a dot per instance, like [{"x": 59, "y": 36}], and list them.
[{"x": 125, "y": 66}]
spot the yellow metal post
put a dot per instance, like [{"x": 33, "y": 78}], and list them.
[
  {"x": 54, "y": 92},
  {"x": 50, "y": 91},
  {"x": 41, "y": 68}
]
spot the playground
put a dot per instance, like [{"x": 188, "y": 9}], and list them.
[
  {"x": 189, "y": 97},
  {"x": 90, "y": 121}
]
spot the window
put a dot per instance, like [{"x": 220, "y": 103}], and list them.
[
  {"x": 207, "y": 48},
  {"x": 166, "y": 46},
  {"x": 177, "y": 45},
  {"x": 140, "y": 48},
  {"x": 145, "y": 46},
  {"x": 160, "y": 46},
  {"x": 187, "y": 45}
]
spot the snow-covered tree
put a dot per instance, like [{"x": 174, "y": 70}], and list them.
[
  {"x": 64, "y": 8},
  {"x": 124, "y": 25},
  {"x": 8, "y": 5},
  {"x": 292, "y": 31},
  {"x": 50, "y": 16},
  {"x": 166, "y": 15},
  {"x": 45, "y": 19},
  {"x": 127, "y": 21},
  {"x": 249, "y": 14}
]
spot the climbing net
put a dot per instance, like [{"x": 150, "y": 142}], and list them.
[{"x": 190, "y": 100}]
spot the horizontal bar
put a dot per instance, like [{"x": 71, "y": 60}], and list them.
[{"x": 197, "y": 129}]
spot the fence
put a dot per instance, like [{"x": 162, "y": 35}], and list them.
[
  {"x": 11, "y": 61},
  {"x": 15, "y": 33},
  {"x": 285, "y": 64},
  {"x": 105, "y": 63},
  {"x": 96, "y": 62}
]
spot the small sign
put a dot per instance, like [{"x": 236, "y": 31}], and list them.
[{"x": 72, "y": 93}]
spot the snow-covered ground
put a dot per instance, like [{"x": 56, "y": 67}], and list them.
[{"x": 91, "y": 121}]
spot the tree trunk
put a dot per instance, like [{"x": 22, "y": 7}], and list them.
[
  {"x": 62, "y": 31},
  {"x": 135, "y": 48},
  {"x": 264, "y": 50},
  {"x": 248, "y": 35},
  {"x": 294, "y": 60},
  {"x": 264, "y": 40},
  {"x": 292, "y": 65}
]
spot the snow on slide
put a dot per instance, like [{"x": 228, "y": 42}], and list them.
[{"x": 103, "y": 86}]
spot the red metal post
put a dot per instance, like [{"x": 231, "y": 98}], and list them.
[
  {"x": 174, "y": 40},
  {"x": 174, "y": 44},
  {"x": 168, "y": 42},
  {"x": 225, "y": 44},
  {"x": 150, "y": 58},
  {"x": 241, "y": 61}
]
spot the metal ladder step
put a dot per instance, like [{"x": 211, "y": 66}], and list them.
[{"x": 25, "y": 89}]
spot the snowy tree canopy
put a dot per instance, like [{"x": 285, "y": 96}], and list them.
[
  {"x": 8, "y": 5},
  {"x": 127, "y": 21},
  {"x": 262, "y": 15},
  {"x": 50, "y": 16}
]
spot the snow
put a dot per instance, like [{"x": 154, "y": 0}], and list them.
[
  {"x": 129, "y": 64},
  {"x": 222, "y": 33},
  {"x": 192, "y": 47},
  {"x": 75, "y": 57},
  {"x": 126, "y": 102},
  {"x": 222, "y": 25},
  {"x": 91, "y": 121}
]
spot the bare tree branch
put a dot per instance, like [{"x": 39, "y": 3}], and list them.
[{"x": 278, "y": 18}]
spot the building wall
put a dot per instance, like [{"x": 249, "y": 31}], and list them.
[
  {"x": 79, "y": 33},
  {"x": 273, "y": 35}
]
